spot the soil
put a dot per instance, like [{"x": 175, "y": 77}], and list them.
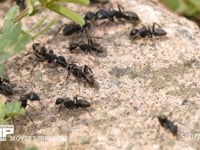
[{"x": 138, "y": 80}]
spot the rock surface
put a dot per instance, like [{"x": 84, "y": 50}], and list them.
[{"x": 138, "y": 81}]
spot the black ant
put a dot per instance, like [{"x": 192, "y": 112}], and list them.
[
  {"x": 32, "y": 96},
  {"x": 72, "y": 28},
  {"x": 41, "y": 52},
  {"x": 148, "y": 31},
  {"x": 74, "y": 103},
  {"x": 167, "y": 124},
  {"x": 81, "y": 72},
  {"x": 110, "y": 14},
  {"x": 86, "y": 47},
  {"x": 5, "y": 88}
]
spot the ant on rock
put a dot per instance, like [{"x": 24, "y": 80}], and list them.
[
  {"x": 70, "y": 29},
  {"x": 74, "y": 103},
  {"x": 119, "y": 14},
  {"x": 148, "y": 31},
  {"x": 81, "y": 72},
  {"x": 40, "y": 51},
  {"x": 32, "y": 96},
  {"x": 86, "y": 47},
  {"x": 167, "y": 124}
]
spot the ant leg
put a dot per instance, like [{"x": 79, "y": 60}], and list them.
[
  {"x": 59, "y": 108},
  {"x": 7, "y": 101},
  {"x": 73, "y": 37},
  {"x": 75, "y": 98},
  {"x": 41, "y": 106},
  {"x": 69, "y": 73},
  {"x": 33, "y": 68},
  {"x": 154, "y": 26},
  {"x": 31, "y": 119},
  {"x": 79, "y": 96},
  {"x": 86, "y": 33},
  {"x": 149, "y": 32},
  {"x": 120, "y": 7},
  {"x": 88, "y": 112},
  {"x": 60, "y": 29},
  {"x": 87, "y": 68}
]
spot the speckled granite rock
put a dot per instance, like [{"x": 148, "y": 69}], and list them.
[{"x": 138, "y": 80}]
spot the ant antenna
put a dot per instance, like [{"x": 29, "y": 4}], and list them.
[
  {"x": 31, "y": 119},
  {"x": 59, "y": 29},
  {"x": 120, "y": 7}
]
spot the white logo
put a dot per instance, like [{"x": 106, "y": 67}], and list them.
[{"x": 5, "y": 130}]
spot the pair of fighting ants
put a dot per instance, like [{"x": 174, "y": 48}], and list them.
[{"x": 80, "y": 72}]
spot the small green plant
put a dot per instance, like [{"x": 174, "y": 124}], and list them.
[{"x": 10, "y": 111}]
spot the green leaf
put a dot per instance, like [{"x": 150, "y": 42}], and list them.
[
  {"x": 14, "y": 109},
  {"x": 9, "y": 19},
  {"x": 83, "y": 2},
  {"x": 172, "y": 4},
  {"x": 13, "y": 39},
  {"x": 66, "y": 13},
  {"x": 2, "y": 110}
]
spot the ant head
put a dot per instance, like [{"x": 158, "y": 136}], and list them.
[
  {"x": 86, "y": 103},
  {"x": 36, "y": 47},
  {"x": 89, "y": 16},
  {"x": 59, "y": 101},
  {"x": 160, "y": 32},
  {"x": 162, "y": 119},
  {"x": 39, "y": 48},
  {"x": 61, "y": 60},
  {"x": 2, "y": 80},
  {"x": 32, "y": 96},
  {"x": 73, "y": 46},
  {"x": 23, "y": 100},
  {"x": 87, "y": 70},
  {"x": 134, "y": 33},
  {"x": 132, "y": 17}
]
